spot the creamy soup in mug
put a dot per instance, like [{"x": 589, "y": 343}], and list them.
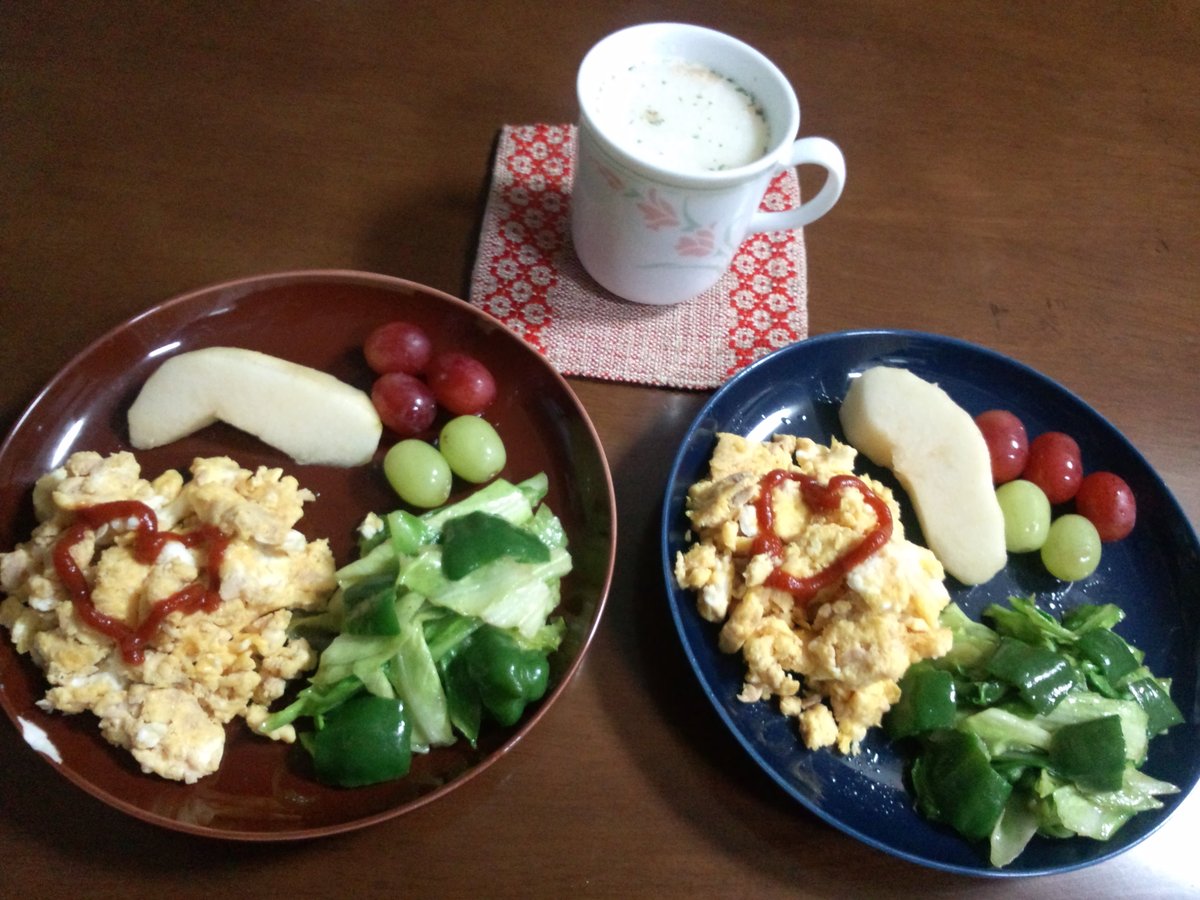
[{"x": 680, "y": 115}]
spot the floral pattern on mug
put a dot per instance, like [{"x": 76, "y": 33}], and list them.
[
  {"x": 657, "y": 212},
  {"x": 695, "y": 241},
  {"x": 702, "y": 242}
]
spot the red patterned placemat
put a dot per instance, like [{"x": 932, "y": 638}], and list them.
[{"x": 527, "y": 275}]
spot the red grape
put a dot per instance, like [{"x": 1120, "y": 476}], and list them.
[
  {"x": 1007, "y": 443},
  {"x": 398, "y": 347},
  {"x": 1055, "y": 465},
  {"x": 461, "y": 383},
  {"x": 1106, "y": 501},
  {"x": 404, "y": 403}
]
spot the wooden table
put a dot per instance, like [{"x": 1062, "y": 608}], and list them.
[{"x": 1021, "y": 175}]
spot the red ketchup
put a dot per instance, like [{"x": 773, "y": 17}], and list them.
[
  {"x": 148, "y": 542},
  {"x": 822, "y": 498}
]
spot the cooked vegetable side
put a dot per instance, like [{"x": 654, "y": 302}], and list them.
[
  {"x": 441, "y": 624},
  {"x": 1033, "y": 725}
]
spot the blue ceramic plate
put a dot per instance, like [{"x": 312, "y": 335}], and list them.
[{"x": 1153, "y": 575}]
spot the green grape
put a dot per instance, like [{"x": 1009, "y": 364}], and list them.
[
  {"x": 1026, "y": 515},
  {"x": 418, "y": 473},
  {"x": 1072, "y": 548},
  {"x": 472, "y": 448}
]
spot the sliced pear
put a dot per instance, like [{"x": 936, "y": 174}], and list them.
[
  {"x": 311, "y": 416},
  {"x": 938, "y": 454}
]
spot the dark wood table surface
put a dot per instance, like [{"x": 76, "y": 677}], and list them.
[{"x": 1025, "y": 176}]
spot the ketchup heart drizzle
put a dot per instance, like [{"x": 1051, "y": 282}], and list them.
[
  {"x": 147, "y": 544},
  {"x": 824, "y": 498}
]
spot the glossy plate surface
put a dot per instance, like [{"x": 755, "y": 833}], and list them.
[
  {"x": 1154, "y": 575},
  {"x": 264, "y": 790}
]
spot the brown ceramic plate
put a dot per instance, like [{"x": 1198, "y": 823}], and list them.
[{"x": 265, "y": 790}]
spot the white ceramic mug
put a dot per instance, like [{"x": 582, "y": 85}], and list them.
[{"x": 652, "y": 229}]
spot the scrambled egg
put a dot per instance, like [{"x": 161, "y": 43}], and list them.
[
  {"x": 201, "y": 669},
  {"x": 833, "y": 662}
]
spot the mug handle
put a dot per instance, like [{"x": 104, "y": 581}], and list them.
[{"x": 816, "y": 151}]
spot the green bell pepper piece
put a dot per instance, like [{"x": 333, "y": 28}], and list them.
[
  {"x": 364, "y": 741},
  {"x": 513, "y": 502},
  {"x": 1091, "y": 753},
  {"x": 491, "y": 672},
  {"x": 479, "y": 538},
  {"x": 927, "y": 703},
  {"x": 369, "y": 607},
  {"x": 955, "y": 783},
  {"x": 1153, "y": 697},
  {"x": 1014, "y": 765},
  {"x": 1108, "y": 651},
  {"x": 507, "y": 675},
  {"x": 1041, "y": 676},
  {"x": 407, "y": 533},
  {"x": 463, "y": 705},
  {"x": 980, "y": 694}
]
